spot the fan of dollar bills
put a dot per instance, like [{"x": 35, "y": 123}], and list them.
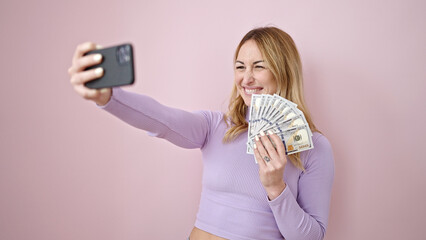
[{"x": 283, "y": 118}]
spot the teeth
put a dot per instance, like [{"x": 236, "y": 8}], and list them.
[{"x": 250, "y": 91}]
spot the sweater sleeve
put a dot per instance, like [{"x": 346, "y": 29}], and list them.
[
  {"x": 182, "y": 128},
  {"x": 305, "y": 216}
]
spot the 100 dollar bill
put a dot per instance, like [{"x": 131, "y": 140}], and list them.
[{"x": 295, "y": 140}]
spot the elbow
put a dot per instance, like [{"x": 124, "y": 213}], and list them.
[{"x": 313, "y": 231}]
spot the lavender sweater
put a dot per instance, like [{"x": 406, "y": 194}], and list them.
[{"x": 233, "y": 203}]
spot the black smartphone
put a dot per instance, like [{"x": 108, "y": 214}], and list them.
[{"x": 117, "y": 62}]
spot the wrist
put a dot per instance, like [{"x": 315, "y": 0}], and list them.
[
  {"x": 102, "y": 102},
  {"x": 105, "y": 97},
  {"x": 276, "y": 190}
]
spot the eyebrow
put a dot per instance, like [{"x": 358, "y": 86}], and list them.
[{"x": 253, "y": 62}]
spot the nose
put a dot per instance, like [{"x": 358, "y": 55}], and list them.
[{"x": 248, "y": 76}]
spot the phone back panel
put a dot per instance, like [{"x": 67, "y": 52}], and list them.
[{"x": 117, "y": 63}]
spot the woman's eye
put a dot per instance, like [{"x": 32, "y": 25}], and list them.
[
  {"x": 240, "y": 67},
  {"x": 262, "y": 67}
]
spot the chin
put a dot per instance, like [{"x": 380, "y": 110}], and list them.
[{"x": 247, "y": 100}]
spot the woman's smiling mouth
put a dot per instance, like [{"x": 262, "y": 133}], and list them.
[{"x": 250, "y": 91}]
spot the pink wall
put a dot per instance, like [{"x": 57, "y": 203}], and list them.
[{"x": 71, "y": 171}]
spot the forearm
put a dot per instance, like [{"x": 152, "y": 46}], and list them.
[
  {"x": 180, "y": 127},
  {"x": 274, "y": 191},
  {"x": 306, "y": 216},
  {"x": 293, "y": 221}
]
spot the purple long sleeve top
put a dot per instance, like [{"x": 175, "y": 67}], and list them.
[{"x": 234, "y": 204}]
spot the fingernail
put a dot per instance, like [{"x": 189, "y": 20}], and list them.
[
  {"x": 93, "y": 92},
  {"x": 256, "y": 138},
  {"x": 99, "y": 71},
  {"x": 254, "y": 145},
  {"x": 262, "y": 133},
  {"x": 98, "y": 46},
  {"x": 104, "y": 90},
  {"x": 270, "y": 132},
  {"x": 97, "y": 57}
]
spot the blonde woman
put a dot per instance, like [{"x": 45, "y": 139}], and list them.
[{"x": 281, "y": 197}]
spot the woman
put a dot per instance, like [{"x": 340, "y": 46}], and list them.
[{"x": 273, "y": 199}]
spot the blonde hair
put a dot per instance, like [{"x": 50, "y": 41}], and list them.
[{"x": 280, "y": 53}]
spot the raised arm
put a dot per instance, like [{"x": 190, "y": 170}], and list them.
[
  {"x": 182, "y": 128},
  {"x": 300, "y": 213},
  {"x": 305, "y": 216},
  {"x": 185, "y": 129}
]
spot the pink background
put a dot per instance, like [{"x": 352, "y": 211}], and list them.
[{"x": 71, "y": 171}]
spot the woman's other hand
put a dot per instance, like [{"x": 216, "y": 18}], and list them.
[
  {"x": 79, "y": 76},
  {"x": 272, "y": 161}
]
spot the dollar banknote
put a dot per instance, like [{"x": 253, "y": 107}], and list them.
[{"x": 280, "y": 116}]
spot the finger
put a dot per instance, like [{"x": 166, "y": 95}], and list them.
[
  {"x": 87, "y": 93},
  {"x": 86, "y": 76},
  {"x": 262, "y": 150},
  {"x": 259, "y": 159},
  {"x": 87, "y": 61},
  {"x": 83, "y": 49},
  {"x": 105, "y": 90},
  {"x": 280, "y": 148},
  {"x": 270, "y": 149}
]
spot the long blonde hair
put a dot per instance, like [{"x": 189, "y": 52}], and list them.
[{"x": 280, "y": 53}]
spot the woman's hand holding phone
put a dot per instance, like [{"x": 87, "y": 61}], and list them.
[{"x": 79, "y": 76}]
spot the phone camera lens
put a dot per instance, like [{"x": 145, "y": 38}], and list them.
[{"x": 123, "y": 54}]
